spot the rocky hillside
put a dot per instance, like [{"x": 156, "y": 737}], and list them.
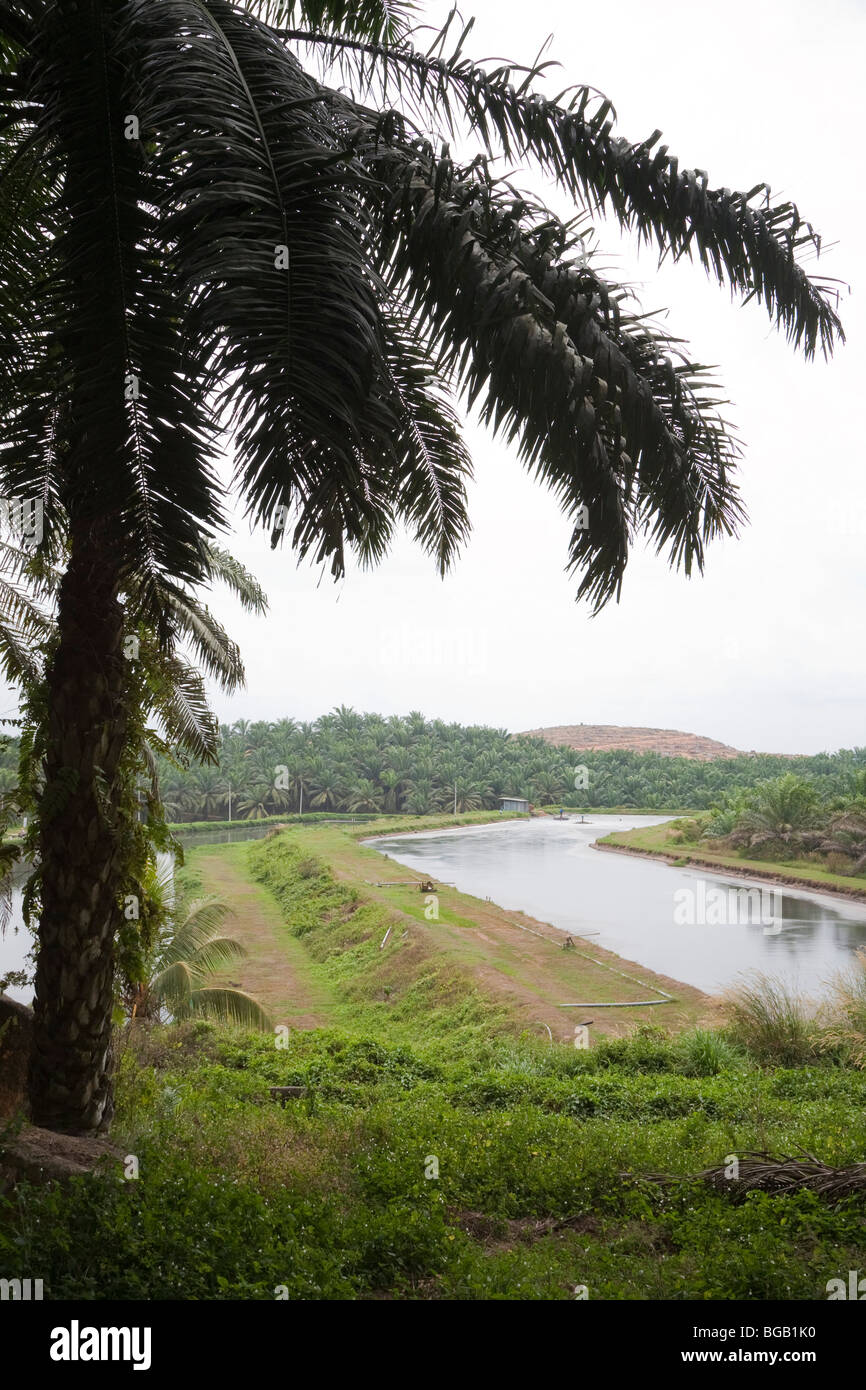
[{"x": 671, "y": 743}]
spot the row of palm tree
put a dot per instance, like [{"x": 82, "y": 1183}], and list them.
[{"x": 357, "y": 763}]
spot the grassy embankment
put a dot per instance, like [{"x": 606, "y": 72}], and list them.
[
  {"x": 511, "y": 961},
  {"x": 667, "y": 842},
  {"x": 441, "y": 1151}
]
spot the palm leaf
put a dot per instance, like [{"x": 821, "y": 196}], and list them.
[
  {"x": 179, "y": 701},
  {"x": 215, "y": 953},
  {"x": 243, "y": 584},
  {"x": 173, "y": 986},
  {"x": 232, "y": 1006},
  {"x": 631, "y": 438},
  {"x": 753, "y": 245},
  {"x": 201, "y": 921},
  {"x": 388, "y": 19}
]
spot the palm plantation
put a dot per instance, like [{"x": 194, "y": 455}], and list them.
[
  {"x": 203, "y": 241},
  {"x": 410, "y": 764}
]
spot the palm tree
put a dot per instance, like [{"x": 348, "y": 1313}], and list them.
[
  {"x": 190, "y": 214},
  {"x": 546, "y": 787},
  {"x": 187, "y": 947},
  {"x": 390, "y": 781},
  {"x": 165, "y": 703},
  {"x": 207, "y": 793},
  {"x": 364, "y": 796},
  {"x": 416, "y": 725},
  {"x": 780, "y": 809},
  {"x": 345, "y": 719},
  {"x": 257, "y": 801},
  {"x": 175, "y": 791},
  {"x": 326, "y": 787},
  {"x": 847, "y": 836},
  {"x": 420, "y": 800},
  {"x": 789, "y": 803}
]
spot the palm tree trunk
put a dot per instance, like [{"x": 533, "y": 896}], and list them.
[
  {"x": 84, "y": 817},
  {"x": 80, "y": 851}
]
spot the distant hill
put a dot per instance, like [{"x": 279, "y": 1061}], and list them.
[{"x": 671, "y": 743}]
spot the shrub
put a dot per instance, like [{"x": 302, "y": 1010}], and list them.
[
  {"x": 772, "y": 1022},
  {"x": 846, "y": 1013},
  {"x": 647, "y": 1049},
  {"x": 706, "y": 1053}
]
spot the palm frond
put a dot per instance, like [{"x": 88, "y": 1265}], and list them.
[
  {"x": 373, "y": 19},
  {"x": 180, "y": 703},
  {"x": 173, "y": 985},
  {"x": 20, "y": 664},
  {"x": 244, "y": 585},
  {"x": 632, "y": 438},
  {"x": 427, "y": 481},
  {"x": 211, "y": 645},
  {"x": 232, "y": 1006},
  {"x": 109, "y": 347},
  {"x": 258, "y": 197},
  {"x": 753, "y": 245},
  {"x": 215, "y": 953},
  {"x": 200, "y": 921}
]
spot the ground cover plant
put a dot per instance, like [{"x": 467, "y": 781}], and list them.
[{"x": 437, "y": 1152}]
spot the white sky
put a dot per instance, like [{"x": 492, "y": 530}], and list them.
[{"x": 766, "y": 651}]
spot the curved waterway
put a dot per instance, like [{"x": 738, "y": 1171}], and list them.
[{"x": 699, "y": 927}]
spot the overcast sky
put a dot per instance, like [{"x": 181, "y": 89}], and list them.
[{"x": 766, "y": 650}]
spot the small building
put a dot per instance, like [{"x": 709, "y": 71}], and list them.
[{"x": 513, "y": 803}]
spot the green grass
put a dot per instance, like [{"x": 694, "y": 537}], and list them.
[
  {"x": 407, "y": 825},
  {"x": 402, "y": 995},
  {"x": 438, "y": 1155},
  {"x": 773, "y": 1022},
  {"x": 288, "y": 817},
  {"x": 334, "y": 1196}
]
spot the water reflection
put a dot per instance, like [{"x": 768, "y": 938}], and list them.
[{"x": 548, "y": 869}]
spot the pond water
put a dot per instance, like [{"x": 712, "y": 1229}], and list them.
[
  {"x": 702, "y": 928},
  {"x": 698, "y": 927}
]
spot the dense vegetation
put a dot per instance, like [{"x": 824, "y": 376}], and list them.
[
  {"x": 437, "y": 1155},
  {"x": 328, "y": 1198},
  {"x": 352, "y": 763},
  {"x": 786, "y": 818},
  {"x": 346, "y": 761}
]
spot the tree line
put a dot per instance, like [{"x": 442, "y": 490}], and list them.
[{"x": 347, "y": 761}]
